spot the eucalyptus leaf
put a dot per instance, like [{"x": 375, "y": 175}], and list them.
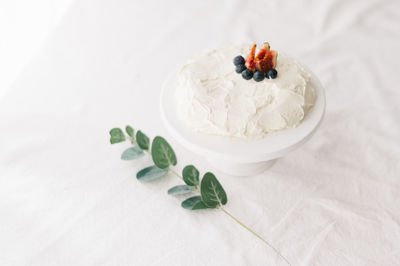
[
  {"x": 162, "y": 153},
  {"x": 151, "y": 173},
  {"x": 194, "y": 203},
  {"x": 129, "y": 130},
  {"x": 190, "y": 175},
  {"x": 142, "y": 140},
  {"x": 132, "y": 153},
  {"x": 179, "y": 190},
  {"x": 212, "y": 193},
  {"x": 116, "y": 135}
]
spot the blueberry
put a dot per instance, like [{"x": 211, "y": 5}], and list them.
[
  {"x": 258, "y": 76},
  {"x": 247, "y": 74},
  {"x": 238, "y": 60},
  {"x": 240, "y": 68},
  {"x": 266, "y": 75},
  {"x": 272, "y": 73}
]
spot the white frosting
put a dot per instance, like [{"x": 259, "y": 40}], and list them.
[{"x": 213, "y": 99}]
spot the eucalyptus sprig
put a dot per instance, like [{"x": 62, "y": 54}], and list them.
[{"x": 209, "y": 192}]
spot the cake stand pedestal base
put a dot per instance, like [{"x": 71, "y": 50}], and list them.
[{"x": 240, "y": 169}]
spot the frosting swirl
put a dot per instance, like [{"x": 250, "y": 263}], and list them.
[{"x": 213, "y": 99}]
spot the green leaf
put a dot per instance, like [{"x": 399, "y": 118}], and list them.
[
  {"x": 132, "y": 153},
  {"x": 142, "y": 140},
  {"x": 190, "y": 175},
  {"x": 179, "y": 190},
  {"x": 162, "y": 153},
  {"x": 116, "y": 135},
  {"x": 129, "y": 130},
  {"x": 151, "y": 173},
  {"x": 212, "y": 193},
  {"x": 194, "y": 203}
]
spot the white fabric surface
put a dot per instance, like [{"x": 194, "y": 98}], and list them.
[
  {"x": 67, "y": 199},
  {"x": 24, "y": 26}
]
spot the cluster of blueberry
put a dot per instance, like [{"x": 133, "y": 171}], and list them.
[{"x": 247, "y": 74}]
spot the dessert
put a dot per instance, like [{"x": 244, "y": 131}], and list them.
[{"x": 254, "y": 96}]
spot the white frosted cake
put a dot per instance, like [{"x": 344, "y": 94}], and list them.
[{"x": 213, "y": 99}]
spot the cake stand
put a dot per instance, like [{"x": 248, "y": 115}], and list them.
[{"x": 241, "y": 157}]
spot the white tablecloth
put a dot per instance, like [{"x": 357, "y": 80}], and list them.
[{"x": 67, "y": 199}]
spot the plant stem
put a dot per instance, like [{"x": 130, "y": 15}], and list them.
[
  {"x": 175, "y": 173},
  {"x": 254, "y": 233},
  {"x": 240, "y": 223},
  {"x": 172, "y": 170}
]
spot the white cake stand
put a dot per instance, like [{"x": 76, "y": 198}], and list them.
[{"x": 240, "y": 157}]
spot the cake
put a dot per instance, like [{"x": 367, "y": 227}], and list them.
[{"x": 213, "y": 98}]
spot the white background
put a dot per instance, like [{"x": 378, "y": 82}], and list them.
[
  {"x": 67, "y": 199},
  {"x": 24, "y": 25}
]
